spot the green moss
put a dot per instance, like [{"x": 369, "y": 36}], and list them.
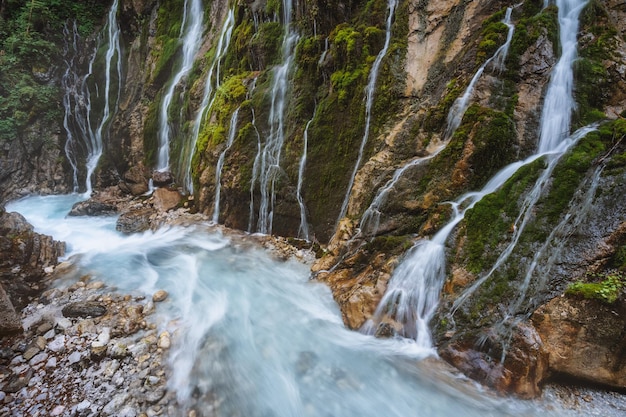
[
  {"x": 569, "y": 173},
  {"x": 266, "y": 43},
  {"x": 607, "y": 290},
  {"x": 389, "y": 244},
  {"x": 593, "y": 85},
  {"x": 528, "y": 29},
  {"x": 493, "y": 35},
  {"x": 498, "y": 210}
]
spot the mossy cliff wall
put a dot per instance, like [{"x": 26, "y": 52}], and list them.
[{"x": 435, "y": 49}]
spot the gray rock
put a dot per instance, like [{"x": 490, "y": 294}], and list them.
[
  {"x": 84, "y": 309},
  {"x": 134, "y": 221},
  {"x": 10, "y": 322},
  {"x": 115, "y": 404}
]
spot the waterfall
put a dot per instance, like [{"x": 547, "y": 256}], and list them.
[
  {"x": 555, "y": 121},
  {"x": 559, "y": 102},
  {"x": 371, "y": 217},
  {"x": 191, "y": 34},
  {"x": 255, "y": 172},
  {"x": 413, "y": 292},
  {"x": 208, "y": 95},
  {"x": 76, "y": 103},
  {"x": 303, "y": 230},
  {"x": 526, "y": 209},
  {"x": 271, "y": 152},
  {"x": 232, "y": 130},
  {"x": 460, "y": 105},
  {"x": 77, "y": 119},
  {"x": 369, "y": 100}
]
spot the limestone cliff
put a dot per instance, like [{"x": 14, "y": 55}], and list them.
[{"x": 372, "y": 92}]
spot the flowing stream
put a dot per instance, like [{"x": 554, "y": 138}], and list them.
[
  {"x": 255, "y": 337},
  {"x": 191, "y": 34},
  {"x": 369, "y": 101}
]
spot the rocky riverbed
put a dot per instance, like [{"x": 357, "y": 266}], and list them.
[{"x": 87, "y": 351}]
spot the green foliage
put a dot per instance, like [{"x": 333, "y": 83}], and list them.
[{"x": 607, "y": 290}]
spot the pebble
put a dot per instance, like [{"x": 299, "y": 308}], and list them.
[
  {"x": 30, "y": 352},
  {"x": 74, "y": 357},
  {"x": 159, "y": 296},
  {"x": 58, "y": 344},
  {"x": 109, "y": 380},
  {"x": 164, "y": 340},
  {"x": 58, "y": 410}
]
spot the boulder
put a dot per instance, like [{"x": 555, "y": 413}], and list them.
[
  {"x": 135, "y": 220},
  {"x": 92, "y": 208},
  {"x": 24, "y": 257},
  {"x": 162, "y": 178},
  {"x": 165, "y": 199},
  {"x": 84, "y": 309},
  {"x": 585, "y": 339},
  {"x": 521, "y": 372}
]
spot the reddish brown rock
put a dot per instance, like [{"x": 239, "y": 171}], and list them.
[
  {"x": 521, "y": 373},
  {"x": 585, "y": 339},
  {"x": 165, "y": 199}
]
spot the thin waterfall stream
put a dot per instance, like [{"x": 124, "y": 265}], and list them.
[
  {"x": 303, "y": 230},
  {"x": 369, "y": 101},
  {"x": 78, "y": 119},
  {"x": 191, "y": 34},
  {"x": 208, "y": 96},
  {"x": 272, "y": 148},
  {"x": 414, "y": 289},
  {"x": 232, "y": 132}
]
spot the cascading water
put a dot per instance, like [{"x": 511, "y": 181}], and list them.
[
  {"x": 371, "y": 217},
  {"x": 555, "y": 122},
  {"x": 559, "y": 103},
  {"x": 76, "y": 103},
  {"x": 191, "y": 34},
  {"x": 460, "y": 105},
  {"x": 77, "y": 92},
  {"x": 252, "y": 335},
  {"x": 232, "y": 130},
  {"x": 413, "y": 292},
  {"x": 255, "y": 171},
  {"x": 208, "y": 96},
  {"x": 369, "y": 101},
  {"x": 272, "y": 148},
  {"x": 303, "y": 230}
]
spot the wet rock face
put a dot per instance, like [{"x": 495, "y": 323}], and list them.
[
  {"x": 24, "y": 256},
  {"x": 585, "y": 339},
  {"x": 522, "y": 371}
]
